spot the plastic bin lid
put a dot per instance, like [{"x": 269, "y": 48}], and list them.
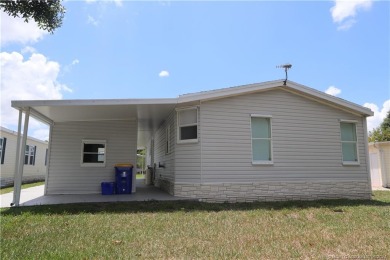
[{"x": 124, "y": 165}]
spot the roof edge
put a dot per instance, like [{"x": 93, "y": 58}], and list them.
[{"x": 92, "y": 102}]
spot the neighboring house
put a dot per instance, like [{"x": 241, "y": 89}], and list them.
[
  {"x": 380, "y": 164},
  {"x": 265, "y": 141},
  {"x": 34, "y": 158}
]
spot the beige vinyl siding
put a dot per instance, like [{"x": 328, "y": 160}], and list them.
[
  {"x": 188, "y": 158},
  {"x": 67, "y": 176},
  {"x": 305, "y": 140},
  {"x": 160, "y": 156},
  {"x": 8, "y": 168}
]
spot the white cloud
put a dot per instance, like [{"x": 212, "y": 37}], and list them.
[
  {"x": 344, "y": 11},
  {"x": 163, "y": 73},
  {"x": 75, "y": 61},
  {"x": 14, "y": 29},
  {"x": 117, "y": 2},
  {"x": 346, "y": 25},
  {"x": 92, "y": 21},
  {"x": 30, "y": 79},
  {"x": 332, "y": 90},
  {"x": 28, "y": 49},
  {"x": 379, "y": 114}
]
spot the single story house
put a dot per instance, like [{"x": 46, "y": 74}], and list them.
[
  {"x": 34, "y": 158},
  {"x": 380, "y": 164},
  {"x": 264, "y": 141}
]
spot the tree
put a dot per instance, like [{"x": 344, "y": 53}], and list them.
[
  {"x": 381, "y": 133},
  {"x": 47, "y": 13}
]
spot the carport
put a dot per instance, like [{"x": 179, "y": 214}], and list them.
[{"x": 147, "y": 113}]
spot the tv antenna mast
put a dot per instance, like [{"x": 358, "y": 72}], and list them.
[{"x": 286, "y": 67}]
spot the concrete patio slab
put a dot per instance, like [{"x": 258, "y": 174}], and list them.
[{"x": 34, "y": 196}]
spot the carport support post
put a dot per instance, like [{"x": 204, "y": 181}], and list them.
[{"x": 20, "y": 157}]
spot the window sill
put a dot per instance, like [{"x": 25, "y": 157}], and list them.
[
  {"x": 190, "y": 141},
  {"x": 95, "y": 165},
  {"x": 351, "y": 163},
  {"x": 263, "y": 163}
]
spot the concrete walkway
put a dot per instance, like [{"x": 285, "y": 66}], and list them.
[{"x": 34, "y": 196}]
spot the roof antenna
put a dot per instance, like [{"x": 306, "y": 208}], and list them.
[{"x": 286, "y": 67}]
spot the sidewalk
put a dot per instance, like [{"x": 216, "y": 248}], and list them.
[{"x": 25, "y": 196}]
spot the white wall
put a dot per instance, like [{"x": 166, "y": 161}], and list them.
[
  {"x": 187, "y": 157},
  {"x": 66, "y": 176},
  {"x": 160, "y": 155},
  {"x": 30, "y": 171},
  {"x": 380, "y": 166},
  {"x": 306, "y": 140}
]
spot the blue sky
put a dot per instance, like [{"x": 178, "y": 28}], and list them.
[{"x": 123, "y": 49}]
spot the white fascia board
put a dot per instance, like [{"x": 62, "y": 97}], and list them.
[
  {"x": 246, "y": 89},
  {"x": 91, "y": 102},
  {"x": 227, "y": 92},
  {"x": 341, "y": 102}
]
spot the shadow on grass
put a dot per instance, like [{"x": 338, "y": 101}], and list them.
[{"x": 379, "y": 199}]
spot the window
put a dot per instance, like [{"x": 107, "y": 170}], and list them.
[
  {"x": 29, "y": 154},
  {"x": 168, "y": 139},
  {"x": 187, "y": 125},
  {"x": 3, "y": 143},
  {"x": 349, "y": 143},
  {"x": 93, "y": 153},
  {"x": 261, "y": 139}
]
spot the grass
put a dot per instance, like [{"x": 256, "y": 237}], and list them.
[
  {"x": 140, "y": 176},
  {"x": 325, "y": 229},
  {"x": 24, "y": 186}
]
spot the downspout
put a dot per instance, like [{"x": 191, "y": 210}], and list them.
[{"x": 383, "y": 166}]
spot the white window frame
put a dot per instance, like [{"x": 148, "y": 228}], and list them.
[
  {"x": 355, "y": 122},
  {"x": 168, "y": 139},
  {"x": 31, "y": 154},
  {"x": 269, "y": 162},
  {"x": 89, "y": 141},
  {"x": 178, "y": 110}
]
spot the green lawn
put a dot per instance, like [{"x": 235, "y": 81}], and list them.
[
  {"x": 326, "y": 229},
  {"x": 140, "y": 176},
  {"x": 24, "y": 186}
]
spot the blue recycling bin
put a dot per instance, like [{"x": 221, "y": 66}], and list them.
[
  {"x": 123, "y": 178},
  {"x": 108, "y": 188}
]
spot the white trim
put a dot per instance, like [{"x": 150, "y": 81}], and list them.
[
  {"x": 348, "y": 121},
  {"x": 48, "y": 159},
  {"x": 357, "y": 143},
  {"x": 260, "y": 115},
  {"x": 178, "y": 126},
  {"x": 92, "y": 141},
  {"x": 269, "y": 162},
  {"x": 367, "y": 153},
  {"x": 93, "y": 102},
  {"x": 347, "y": 163}
]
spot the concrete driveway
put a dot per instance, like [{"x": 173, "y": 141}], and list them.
[{"x": 34, "y": 196}]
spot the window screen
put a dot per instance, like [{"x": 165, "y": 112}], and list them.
[
  {"x": 188, "y": 124},
  {"x": 261, "y": 139},
  {"x": 349, "y": 142}
]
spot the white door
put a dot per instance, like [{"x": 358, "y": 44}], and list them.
[{"x": 376, "y": 180}]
